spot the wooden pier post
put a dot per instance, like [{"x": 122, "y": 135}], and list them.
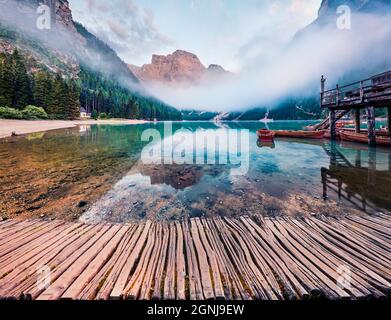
[
  {"x": 333, "y": 131},
  {"x": 371, "y": 126},
  {"x": 389, "y": 119},
  {"x": 357, "y": 121},
  {"x": 322, "y": 89},
  {"x": 324, "y": 183}
]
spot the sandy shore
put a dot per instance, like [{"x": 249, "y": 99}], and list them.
[{"x": 20, "y": 127}]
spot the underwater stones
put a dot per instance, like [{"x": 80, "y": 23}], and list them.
[
  {"x": 196, "y": 213},
  {"x": 82, "y": 204}
]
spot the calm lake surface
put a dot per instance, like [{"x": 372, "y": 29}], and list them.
[{"x": 95, "y": 174}]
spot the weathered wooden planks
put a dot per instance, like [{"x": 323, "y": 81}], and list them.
[{"x": 246, "y": 258}]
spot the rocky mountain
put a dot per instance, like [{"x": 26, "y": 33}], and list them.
[
  {"x": 328, "y": 12},
  {"x": 63, "y": 45},
  {"x": 65, "y": 48},
  {"x": 362, "y": 12},
  {"x": 329, "y": 7},
  {"x": 178, "y": 68}
]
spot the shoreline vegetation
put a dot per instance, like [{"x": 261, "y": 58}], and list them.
[{"x": 23, "y": 127}]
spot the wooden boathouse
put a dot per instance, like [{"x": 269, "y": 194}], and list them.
[{"x": 359, "y": 97}]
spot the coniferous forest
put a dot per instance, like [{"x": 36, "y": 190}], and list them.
[
  {"x": 18, "y": 89},
  {"x": 61, "y": 97},
  {"x": 101, "y": 95}
]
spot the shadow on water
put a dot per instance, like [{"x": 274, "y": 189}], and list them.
[{"x": 360, "y": 175}]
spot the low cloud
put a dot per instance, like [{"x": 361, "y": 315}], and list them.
[
  {"x": 126, "y": 27},
  {"x": 295, "y": 68}
]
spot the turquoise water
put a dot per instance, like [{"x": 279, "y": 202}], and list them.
[{"x": 98, "y": 174}]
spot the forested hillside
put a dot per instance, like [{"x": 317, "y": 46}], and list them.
[
  {"x": 57, "y": 96},
  {"x": 67, "y": 68},
  {"x": 102, "y": 95}
]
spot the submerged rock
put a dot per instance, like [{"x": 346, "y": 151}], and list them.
[{"x": 82, "y": 204}]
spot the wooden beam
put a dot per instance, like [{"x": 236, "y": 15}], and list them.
[
  {"x": 357, "y": 121},
  {"x": 333, "y": 130},
  {"x": 324, "y": 183},
  {"x": 371, "y": 126},
  {"x": 322, "y": 88}
]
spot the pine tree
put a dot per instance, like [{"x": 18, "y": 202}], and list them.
[
  {"x": 42, "y": 89},
  {"x": 6, "y": 82},
  {"x": 58, "y": 100},
  {"x": 21, "y": 82},
  {"x": 2, "y": 98},
  {"x": 73, "y": 106}
]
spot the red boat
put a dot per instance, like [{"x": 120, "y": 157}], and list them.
[
  {"x": 327, "y": 135},
  {"x": 363, "y": 138},
  {"x": 265, "y": 144},
  {"x": 299, "y": 134},
  {"x": 265, "y": 135}
]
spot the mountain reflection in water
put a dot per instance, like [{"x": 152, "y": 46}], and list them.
[{"x": 96, "y": 174}]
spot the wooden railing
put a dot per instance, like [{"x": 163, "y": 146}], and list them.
[{"x": 357, "y": 93}]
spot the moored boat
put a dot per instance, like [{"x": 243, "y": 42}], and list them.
[
  {"x": 344, "y": 123},
  {"x": 327, "y": 135},
  {"x": 266, "y": 144},
  {"x": 363, "y": 138},
  {"x": 300, "y": 134},
  {"x": 265, "y": 135}
]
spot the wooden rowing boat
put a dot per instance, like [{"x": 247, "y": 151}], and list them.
[
  {"x": 265, "y": 144},
  {"x": 344, "y": 123},
  {"x": 327, "y": 135},
  {"x": 300, "y": 134},
  {"x": 363, "y": 138},
  {"x": 265, "y": 135}
]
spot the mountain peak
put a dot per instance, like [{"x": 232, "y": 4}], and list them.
[
  {"x": 216, "y": 68},
  {"x": 329, "y": 7},
  {"x": 179, "y": 67}
]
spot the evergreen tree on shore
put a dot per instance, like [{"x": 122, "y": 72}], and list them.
[
  {"x": 21, "y": 82},
  {"x": 8, "y": 90},
  {"x": 42, "y": 89},
  {"x": 73, "y": 107}
]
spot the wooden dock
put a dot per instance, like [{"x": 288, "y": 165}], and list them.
[
  {"x": 365, "y": 95},
  {"x": 246, "y": 258}
]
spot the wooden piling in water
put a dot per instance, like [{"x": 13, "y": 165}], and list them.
[
  {"x": 371, "y": 126},
  {"x": 333, "y": 125},
  {"x": 357, "y": 122}
]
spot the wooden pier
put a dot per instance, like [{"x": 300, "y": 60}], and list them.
[
  {"x": 367, "y": 95},
  {"x": 220, "y": 258}
]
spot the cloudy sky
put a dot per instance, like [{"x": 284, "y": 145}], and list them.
[{"x": 226, "y": 32}]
